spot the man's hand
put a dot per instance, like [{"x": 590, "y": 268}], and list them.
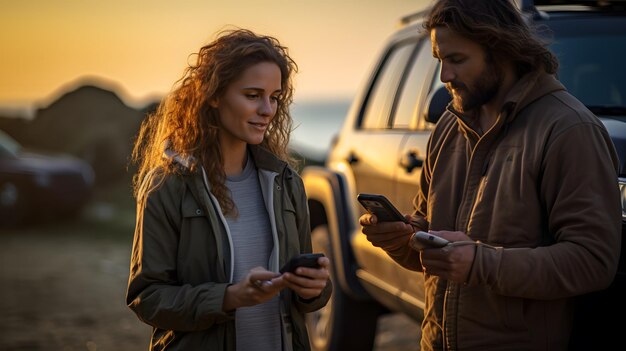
[
  {"x": 393, "y": 237},
  {"x": 452, "y": 262}
]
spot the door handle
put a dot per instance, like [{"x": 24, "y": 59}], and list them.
[
  {"x": 352, "y": 158},
  {"x": 410, "y": 161}
]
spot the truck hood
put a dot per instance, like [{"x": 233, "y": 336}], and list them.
[{"x": 617, "y": 131}]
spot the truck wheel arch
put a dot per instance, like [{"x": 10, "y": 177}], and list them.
[{"x": 329, "y": 206}]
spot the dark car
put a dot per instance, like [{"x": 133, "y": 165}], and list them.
[
  {"x": 381, "y": 147},
  {"x": 38, "y": 186}
]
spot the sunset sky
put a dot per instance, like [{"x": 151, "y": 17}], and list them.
[{"x": 140, "y": 47}]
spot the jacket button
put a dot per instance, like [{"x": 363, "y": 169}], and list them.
[
  {"x": 278, "y": 187},
  {"x": 198, "y": 211}
]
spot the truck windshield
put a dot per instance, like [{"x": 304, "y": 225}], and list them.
[{"x": 591, "y": 62}]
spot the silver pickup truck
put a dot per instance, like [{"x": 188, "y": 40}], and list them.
[{"x": 382, "y": 144}]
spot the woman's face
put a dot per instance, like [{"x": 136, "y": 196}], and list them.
[{"x": 249, "y": 104}]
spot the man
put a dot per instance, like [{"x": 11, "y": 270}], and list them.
[{"x": 521, "y": 176}]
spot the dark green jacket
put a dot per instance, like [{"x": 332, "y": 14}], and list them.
[{"x": 181, "y": 260}]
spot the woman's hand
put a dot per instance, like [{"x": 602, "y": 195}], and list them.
[
  {"x": 308, "y": 282},
  {"x": 260, "y": 285}
]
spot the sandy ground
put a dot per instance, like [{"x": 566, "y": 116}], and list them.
[{"x": 66, "y": 292}]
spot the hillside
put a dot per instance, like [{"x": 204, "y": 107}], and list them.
[{"x": 89, "y": 122}]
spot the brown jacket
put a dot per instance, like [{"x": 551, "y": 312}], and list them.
[{"x": 541, "y": 185}]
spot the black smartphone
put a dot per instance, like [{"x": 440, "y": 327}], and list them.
[
  {"x": 422, "y": 240},
  {"x": 380, "y": 206},
  {"x": 302, "y": 260}
]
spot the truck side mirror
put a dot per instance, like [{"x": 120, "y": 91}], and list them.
[{"x": 436, "y": 104}]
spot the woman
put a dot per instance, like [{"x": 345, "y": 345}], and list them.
[{"x": 220, "y": 209}]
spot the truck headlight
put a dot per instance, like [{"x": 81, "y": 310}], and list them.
[{"x": 622, "y": 189}]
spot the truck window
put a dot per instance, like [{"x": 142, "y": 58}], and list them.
[
  {"x": 382, "y": 93},
  {"x": 415, "y": 88}
]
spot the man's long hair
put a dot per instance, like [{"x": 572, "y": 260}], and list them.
[
  {"x": 187, "y": 124},
  {"x": 497, "y": 26}
]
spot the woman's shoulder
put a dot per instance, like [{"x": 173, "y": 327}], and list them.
[{"x": 164, "y": 182}]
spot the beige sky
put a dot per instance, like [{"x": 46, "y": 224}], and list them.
[{"x": 141, "y": 46}]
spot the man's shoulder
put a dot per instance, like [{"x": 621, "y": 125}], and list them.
[{"x": 563, "y": 108}]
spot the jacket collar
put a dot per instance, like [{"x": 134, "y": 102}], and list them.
[
  {"x": 263, "y": 159},
  {"x": 527, "y": 89}
]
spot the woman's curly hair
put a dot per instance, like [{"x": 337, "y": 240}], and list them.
[
  {"x": 499, "y": 27},
  {"x": 186, "y": 124}
]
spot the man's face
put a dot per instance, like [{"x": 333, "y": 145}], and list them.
[{"x": 470, "y": 75}]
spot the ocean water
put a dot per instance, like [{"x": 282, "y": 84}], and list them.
[{"x": 315, "y": 125}]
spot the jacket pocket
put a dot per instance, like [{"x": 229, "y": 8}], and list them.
[
  {"x": 198, "y": 258},
  {"x": 479, "y": 304},
  {"x": 191, "y": 209},
  {"x": 289, "y": 213},
  {"x": 288, "y": 219}
]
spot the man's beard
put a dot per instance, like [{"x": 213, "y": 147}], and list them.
[{"x": 481, "y": 91}]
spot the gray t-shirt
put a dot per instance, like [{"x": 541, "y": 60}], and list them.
[{"x": 258, "y": 327}]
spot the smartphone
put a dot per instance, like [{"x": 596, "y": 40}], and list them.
[
  {"x": 421, "y": 240},
  {"x": 380, "y": 206},
  {"x": 302, "y": 260}
]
